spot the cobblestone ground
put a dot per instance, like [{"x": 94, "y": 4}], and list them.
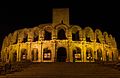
[{"x": 66, "y": 70}]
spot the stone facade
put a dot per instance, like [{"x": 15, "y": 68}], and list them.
[{"x": 59, "y": 42}]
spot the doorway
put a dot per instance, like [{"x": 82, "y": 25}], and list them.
[{"x": 61, "y": 54}]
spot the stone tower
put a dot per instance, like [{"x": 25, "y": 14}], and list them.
[{"x": 60, "y": 15}]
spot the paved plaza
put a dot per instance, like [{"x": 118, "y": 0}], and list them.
[{"x": 66, "y": 70}]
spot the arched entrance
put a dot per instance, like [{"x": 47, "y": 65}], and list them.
[
  {"x": 15, "y": 56},
  {"x": 34, "y": 54},
  {"x": 112, "y": 57},
  {"x": 99, "y": 54},
  {"x": 107, "y": 55},
  {"x": 61, "y": 54},
  {"x": 89, "y": 54},
  {"x": 76, "y": 54},
  {"x": 23, "y": 54}
]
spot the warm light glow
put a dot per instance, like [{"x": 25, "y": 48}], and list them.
[{"x": 46, "y": 42}]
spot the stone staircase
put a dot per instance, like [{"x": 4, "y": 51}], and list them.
[{"x": 65, "y": 70}]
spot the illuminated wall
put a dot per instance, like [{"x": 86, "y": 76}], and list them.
[{"x": 59, "y": 42}]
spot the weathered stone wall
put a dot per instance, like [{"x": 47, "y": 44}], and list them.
[
  {"x": 106, "y": 43},
  {"x": 31, "y": 43}
]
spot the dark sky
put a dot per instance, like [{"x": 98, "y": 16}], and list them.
[{"x": 102, "y": 15}]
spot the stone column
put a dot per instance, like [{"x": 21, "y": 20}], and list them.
[
  {"x": 53, "y": 51},
  {"x": 55, "y": 54},
  {"x": 93, "y": 56},
  {"x": 18, "y": 52},
  {"x": 54, "y": 34},
  {"x": 39, "y": 53},
  {"x": 28, "y": 51},
  {"x": 84, "y": 50},
  {"x": 103, "y": 53},
  {"x": 19, "y": 49},
  {"x": 71, "y": 53},
  {"x": 34, "y": 53},
  {"x": 11, "y": 57},
  {"x": 68, "y": 52},
  {"x": 110, "y": 57}
]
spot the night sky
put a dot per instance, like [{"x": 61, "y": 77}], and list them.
[{"x": 102, "y": 15}]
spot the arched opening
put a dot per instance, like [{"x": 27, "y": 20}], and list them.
[
  {"x": 34, "y": 54},
  {"x": 25, "y": 39},
  {"x": 46, "y": 54},
  {"x": 37, "y": 55},
  {"x": 61, "y": 54},
  {"x": 75, "y": 36},
  {"x": 97, "y": 39},
  {"x": 89, "y": 55},
  {"x": 7, "y": 55},
  {"x": 7, "y": 58},
  {"x": 23, "y": 54},
  {"x": 107, "y": 56},
  {"x": 61, "y": 34},
  {"x": 16, "y": 40},
  {"x": 88, "y": 34},
  {"x": 88, "y": 39},
  {"x": 99, "y": 54},
  {"x": 15, "y": 56},
  {"x": 76, "y": 54},
  {"x": 112, "y": 56},
  {"x": 35, "y": 37},
  {"x": 47, "y": 35}
]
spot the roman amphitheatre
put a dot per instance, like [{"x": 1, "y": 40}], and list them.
[{"x": 59, "y": 42}]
